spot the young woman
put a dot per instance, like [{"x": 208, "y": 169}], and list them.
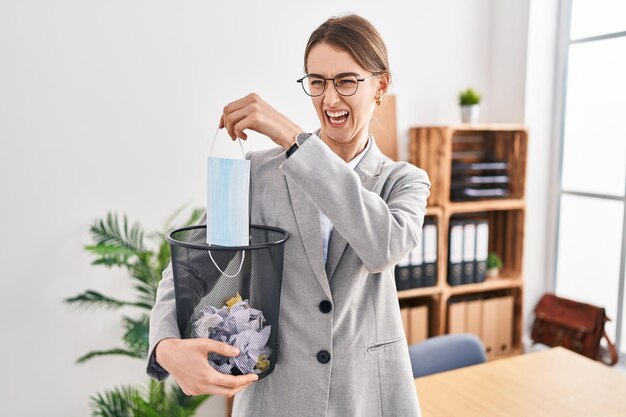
[{"x": 351, "y": 214}]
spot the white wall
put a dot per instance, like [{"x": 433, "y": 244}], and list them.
[
  {"x": 110, "y": 105},
  {"x": 542, "y": 120},
  {"x": 509, "y": 37}
]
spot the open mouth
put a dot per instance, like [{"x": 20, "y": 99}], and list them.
[{"x": 337, "y": 118}]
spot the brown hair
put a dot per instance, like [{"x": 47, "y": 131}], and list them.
[{"x": 355, "y": 35}]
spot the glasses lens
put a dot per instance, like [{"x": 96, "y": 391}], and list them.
[
  {"x": 313, "y": 85},
  {"x": 346, "y": 85}
]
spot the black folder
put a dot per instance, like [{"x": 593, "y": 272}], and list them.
[
  {"x": 482, "y": 249},
  {"x": 403, "y": 274},
  {"x": 469, "y": 251},
  {"x": 429, "y": 233},
  {"x": 455, "y": 251},
  {"x": 417, "y": 268}
]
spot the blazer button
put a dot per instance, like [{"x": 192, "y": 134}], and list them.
[
  {"x": 323, "y": 356},
  {"x": 326, "y": 306}
]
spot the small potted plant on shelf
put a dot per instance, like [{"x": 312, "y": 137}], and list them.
[
  {"x": 494, "y": 263},
  {"x": 469, "y": 100}
]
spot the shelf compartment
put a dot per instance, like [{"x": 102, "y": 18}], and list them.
[
  {"x": 494, "y": 316},
  {"x": 431, "y": 148},
  {"x": 506, "y": 238},
  {"x": 432, "y": 305},
  {"x": 505, "y": 147}
]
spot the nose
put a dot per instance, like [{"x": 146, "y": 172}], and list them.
[{"x": 330, "y": 94}]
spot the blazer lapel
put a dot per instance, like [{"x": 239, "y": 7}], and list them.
[
  {"x": 368, "y": 170},
  {"x": 307, "y": 218}
]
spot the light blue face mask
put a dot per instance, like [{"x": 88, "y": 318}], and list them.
[{"x": 228, "y": 190}]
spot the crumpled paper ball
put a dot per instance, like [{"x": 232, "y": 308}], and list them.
[{"x": 241, "y": 326}]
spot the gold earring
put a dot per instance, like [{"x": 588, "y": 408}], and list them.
[{"x": 379, "y": 100}]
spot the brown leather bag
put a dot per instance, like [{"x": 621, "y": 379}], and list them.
[{"x": 573, "y": 325}]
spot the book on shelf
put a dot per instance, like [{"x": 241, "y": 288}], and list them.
[
  {"x": 415, "y": 322},
  {"x": 418, "y": 324},
  {"x": 490, "y": 318},
  {"x": 403, "y": 273},
  {"x": 468, "y": 250},
  {"x": 418, "y": 268},
  {"x": 455, "y": 260},
  {"x": 482, "y": 250},
  {"x": 429, "y": 234}
]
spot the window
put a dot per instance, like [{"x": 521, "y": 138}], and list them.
[{"x": 591, "y": 215}]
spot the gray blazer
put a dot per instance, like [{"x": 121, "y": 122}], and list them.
[{"x": 377, "y": 211}]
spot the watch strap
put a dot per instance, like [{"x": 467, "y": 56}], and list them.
[
  {"x": 299, "y": 141},
  {"x": 292, "y": 149}
]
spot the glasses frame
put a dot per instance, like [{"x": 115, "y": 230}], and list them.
[{"x": 343, "y": 74}]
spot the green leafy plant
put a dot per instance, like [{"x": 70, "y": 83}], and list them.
[
  {"x": 494, "y": 261},
  {"x": 119, "y": 244},
  {"x": 155, "y": 401},
  {"x": 469, "y": 97}
]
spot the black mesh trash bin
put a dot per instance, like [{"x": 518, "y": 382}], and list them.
[{"x": 230, "y": 294}]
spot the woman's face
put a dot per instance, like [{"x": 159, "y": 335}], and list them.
[{"x": 344, "y": 119}]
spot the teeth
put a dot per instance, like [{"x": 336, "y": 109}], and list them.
[{"x": 337, "y": 114}]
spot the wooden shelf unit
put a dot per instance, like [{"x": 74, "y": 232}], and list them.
[{"x": 431, "y": 148}]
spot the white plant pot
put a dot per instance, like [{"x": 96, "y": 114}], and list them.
[
  {"x": 469, "y": 113},
  {"x": 493, "y": 272}
]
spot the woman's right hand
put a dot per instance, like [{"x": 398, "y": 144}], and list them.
[
  {"x": 253, "y": 113},
  {"x": 186, "y": 361}
]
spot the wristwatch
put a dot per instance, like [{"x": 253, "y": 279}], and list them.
[{"x": 299, "y": 141}]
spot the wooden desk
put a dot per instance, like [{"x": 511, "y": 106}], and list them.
[{"x": 550, "y": 383}]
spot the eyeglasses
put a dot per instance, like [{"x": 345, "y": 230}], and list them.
[{"x": 345, "y": 84}]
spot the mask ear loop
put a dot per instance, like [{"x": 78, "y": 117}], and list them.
[
  {"x": 243, "y": 252},
  {"x": 213, "y": 144},
  {"x": 243, "y": 256}
]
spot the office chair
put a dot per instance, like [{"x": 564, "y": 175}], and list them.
[{"x": 444, "y": 353}]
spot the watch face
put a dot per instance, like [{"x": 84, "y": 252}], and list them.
[{"x": 302, "y": 137}]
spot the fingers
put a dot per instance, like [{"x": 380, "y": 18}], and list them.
[
  {"x": 231, "y": 108},
  {"x": 217, "y": 378},
  {"x": 241, "y": 388},
  {"x": 215, "y": 390},
  {"x": 230, "y": 381},
  {"x": 215, "y": 382},
  {"x": 238, "y": 120},
  {"x": 242, "y": 114},
  {"x": 239, "y": 127},
  {"x": 252, "y": 113},
  {"x": 186, "y": 361},
  {"x": 208, "y": 345}
]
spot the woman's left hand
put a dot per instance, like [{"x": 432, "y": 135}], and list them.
[{"x": 252, "y": 112}]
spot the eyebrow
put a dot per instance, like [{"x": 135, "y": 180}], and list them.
[{"x": 341, "y": 73}]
